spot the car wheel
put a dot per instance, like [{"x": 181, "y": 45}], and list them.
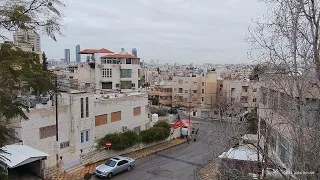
[
  {"x": 109, "y": 175},
  {"x": 129, "y": 168}
]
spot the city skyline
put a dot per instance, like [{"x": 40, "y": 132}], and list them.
[{"x": 160, "y": 27}]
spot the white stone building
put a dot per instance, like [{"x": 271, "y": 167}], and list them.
[
  {"x": 111, "y": 71},
  {"x": 83, "y": 118}
]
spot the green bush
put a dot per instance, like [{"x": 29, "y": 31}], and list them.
[
  {"x": 119, "y": 141},
  {"x": 163, "y": 124},
  {"x": 160, "y": 131}
]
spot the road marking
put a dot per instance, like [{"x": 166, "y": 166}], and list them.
[{"x": 179, "y": 160}]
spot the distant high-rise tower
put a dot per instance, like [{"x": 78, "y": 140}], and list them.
[
  {"x": 67, "y": 56},
  {"x": 27, "y": 40},
  {"x": 135, "y": 52},
  {"x": 78, "y": 57}
]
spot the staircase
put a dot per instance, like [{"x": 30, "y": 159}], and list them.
[{"x": 73, "y": 169}]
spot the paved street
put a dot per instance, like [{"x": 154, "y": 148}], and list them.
[{"x": 180, "y": 162}]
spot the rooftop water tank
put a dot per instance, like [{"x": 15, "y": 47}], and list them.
[{"x": 154, "y": 118}]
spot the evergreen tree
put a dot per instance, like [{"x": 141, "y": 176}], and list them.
[
  {"x": 18, "y": 67},
  {"x": 44, "y": 62}
]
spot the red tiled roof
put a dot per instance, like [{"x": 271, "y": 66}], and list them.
[
  {"x": 119, "y": 56},
  {"x": 91, "y": 51}
]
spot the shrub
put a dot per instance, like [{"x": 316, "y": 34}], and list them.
[
  {"x": 163, "y": 124},
  {"x": 160, "y": 131},
  {"x": 119, "y": 141}
]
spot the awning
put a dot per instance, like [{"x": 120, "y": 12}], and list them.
[{"x": 18, "y": 155}]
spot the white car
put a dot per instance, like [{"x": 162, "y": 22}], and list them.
[{"x": 114, "y": 166}]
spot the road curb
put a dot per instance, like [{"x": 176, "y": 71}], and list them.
[{"x": 162, "y": 150}]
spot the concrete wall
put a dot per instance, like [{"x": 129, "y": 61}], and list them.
[
  {"x": 41, "y": 118},
  {"x": 125, "y": 105}
]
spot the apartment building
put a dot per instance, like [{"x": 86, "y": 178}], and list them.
[
  {"x": 242, "y": 95},
  {"x": 196, "y": 91},
  {"x": 27, "y": 40},
  {"x": 286, "y": 125},
  {"x": 113, "y": 71},
  {"x": 161, "y": 92},
  {"x": 83, "y": 118}
]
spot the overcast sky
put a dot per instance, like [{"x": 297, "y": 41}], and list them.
[{"x": 182, "y": 31}]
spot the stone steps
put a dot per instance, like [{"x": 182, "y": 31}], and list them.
[{"x": 74, "y": 169}]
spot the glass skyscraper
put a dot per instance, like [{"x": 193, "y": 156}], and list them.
[
  {"x": 135, "y": 52},
  {"x": 78, "y": 57},
  {"x": 67, "y": 56}
]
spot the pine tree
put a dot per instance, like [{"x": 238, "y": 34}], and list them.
[{"x": 44, "y": 62}]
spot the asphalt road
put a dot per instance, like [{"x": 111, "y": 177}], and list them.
[{"x": 179, "y": 162}]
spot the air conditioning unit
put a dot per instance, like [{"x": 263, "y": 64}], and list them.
[{"x": 124, "y": 128}]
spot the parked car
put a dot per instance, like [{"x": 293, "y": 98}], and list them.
[{"x": 114, "y": 166}]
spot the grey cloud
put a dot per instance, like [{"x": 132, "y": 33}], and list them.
[{"x": 181, "y": 31}]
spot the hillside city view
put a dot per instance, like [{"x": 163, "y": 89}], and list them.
[{"x": 163, "y": 90}]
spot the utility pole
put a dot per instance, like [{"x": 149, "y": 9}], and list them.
[
  {"x": 57, "y": 134},
  {"x": 190, "y": 94}
]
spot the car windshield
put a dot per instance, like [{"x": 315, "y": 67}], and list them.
[{"x": 111, "y": 163}]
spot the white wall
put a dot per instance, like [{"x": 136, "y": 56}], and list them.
[
  {"x": 45, "y": 117},
  {"x": 126, "y": 105},
  {"x": 71, "y": 124}
]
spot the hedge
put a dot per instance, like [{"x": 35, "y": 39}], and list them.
[
  {"x": 160, "y": 131},
  {"x": 120, "y": 141}
]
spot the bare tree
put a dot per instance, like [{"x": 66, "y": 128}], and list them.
[{"x": 288, "y": 40}]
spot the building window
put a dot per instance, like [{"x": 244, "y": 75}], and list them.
[
  {"x": 254, "y": 100},
  {"x": 194, "y": 91},
  {"x": 244, "y": 88},
  {"x": 186, "y": 82},
  {"x": 81, "y": 106},
  {"x": 180, "y": 90},
  {"x": 84, "y": 136},
  {"x": 185, "y": 91},
  {"x": 254, "y": 90},
  {"x": 128, "y": 61},
  {"x": 64, "y": 144},
  {"x": 126, "y": 85},
  {"x": 48, "y": 131},
  {"x": 117, "y": 85},
  {"x": 233, "y": 89},
  {"x": 106, "y": 85},
  {"x": 109, "y": 73},
  {"x": 101, "y": 120},
  {"x": 133, "y": 85},
  {"x": 202, "y": 83},
  {"x": 233, "y": 100},
  {"x": 244, "y": 99},
  {"x": 221, "y": 85},
  {"x": 136, "y": 111},
  {"x": 103, "y": 61},
  {"x": 202, "y": 90},
  {"x": 202, "y": 99},
  {"x": 104, "y": 72},
  {"x": 116, "y": 116},
  {"x": 87, "y": 85},
  {"x": 87, "y": 106},
  {"x": 125, "y": 73}
]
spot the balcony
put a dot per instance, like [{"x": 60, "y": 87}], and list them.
[{"x": 165, "y": 94}]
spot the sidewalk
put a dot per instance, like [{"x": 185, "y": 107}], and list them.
[{"x": 135, "y": 154}]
